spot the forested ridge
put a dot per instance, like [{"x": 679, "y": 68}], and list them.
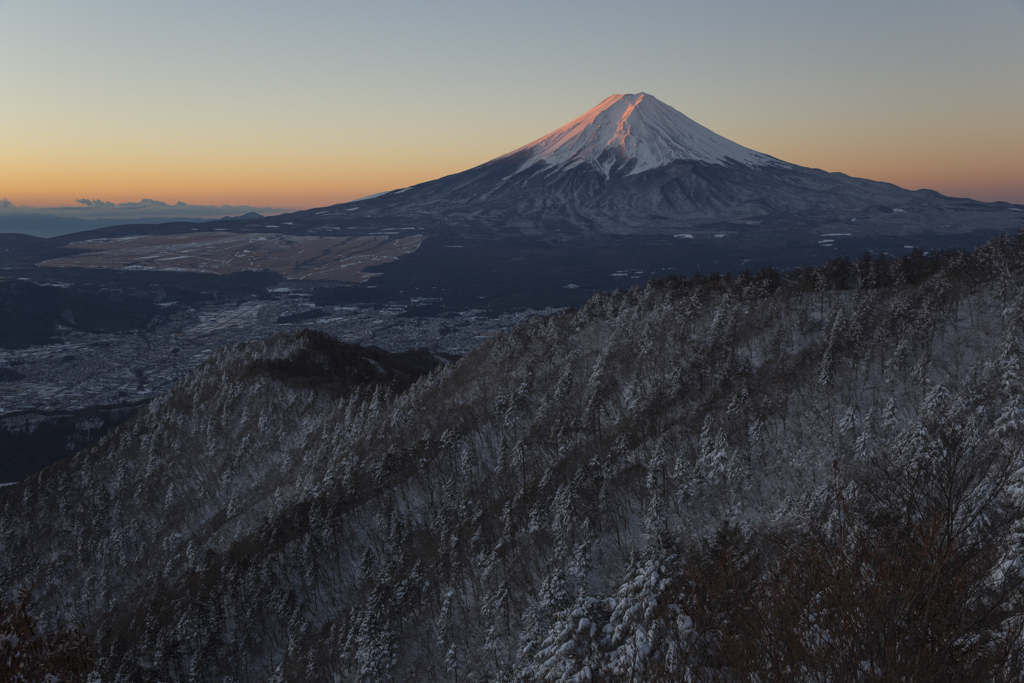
[{"x": 813, "y": 476}]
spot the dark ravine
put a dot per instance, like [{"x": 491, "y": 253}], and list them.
[
  {"x": 32, "y": 440},
  {"x": 34, "y": 315}
]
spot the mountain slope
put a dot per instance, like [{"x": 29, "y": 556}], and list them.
[
  {"x": 630, "y": 190},
  {"x": 279, "y": 529},
  {"x": 633, "y": 165},
  {"x": 199, "y": 467}
]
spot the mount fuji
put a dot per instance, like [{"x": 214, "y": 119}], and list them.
[
  {"x": 635, "y": 133},
  {"x": 633, "y": 165},
  {"x": 629, "y": 191}
]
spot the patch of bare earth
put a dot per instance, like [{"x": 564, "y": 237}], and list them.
[{"x": 298, "y": 257}]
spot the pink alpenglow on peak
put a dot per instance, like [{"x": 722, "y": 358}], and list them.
[{"x": 635, "y": 128}]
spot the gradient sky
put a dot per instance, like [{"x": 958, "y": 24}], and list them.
[{"x": 304, "y": 104}]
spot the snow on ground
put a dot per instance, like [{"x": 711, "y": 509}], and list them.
[{"x": 637, "y": 128}]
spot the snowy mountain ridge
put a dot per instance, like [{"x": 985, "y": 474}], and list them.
[
  {"x": 714, "y": 480},
  {"x": 636, "y": 128},
  {"x": 633, "y": 166}
]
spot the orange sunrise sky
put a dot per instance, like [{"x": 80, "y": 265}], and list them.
[{"x": 307, "y": 104}]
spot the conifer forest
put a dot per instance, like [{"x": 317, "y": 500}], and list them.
[{"x": 814, "y": 475}]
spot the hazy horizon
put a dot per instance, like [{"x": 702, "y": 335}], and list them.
[{"x": 290, "y": 106}]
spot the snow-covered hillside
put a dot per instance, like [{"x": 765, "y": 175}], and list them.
[{"x": 709, "y": 480}]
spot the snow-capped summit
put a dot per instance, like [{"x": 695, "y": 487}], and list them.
[
  {"x": 633, "y": 165},
  {"x": 635, "y": 128}
]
